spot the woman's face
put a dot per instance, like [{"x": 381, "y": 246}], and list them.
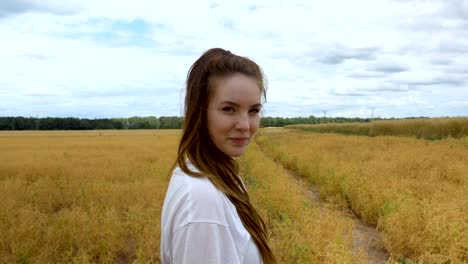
[{"x": 234, "y": 113}]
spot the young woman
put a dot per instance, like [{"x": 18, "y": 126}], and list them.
[{"x": 207, "y": 216}]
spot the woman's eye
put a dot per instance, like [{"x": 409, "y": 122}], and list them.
[
  {"x": 254, "y": 110},
  {"x": 228, "y": 109}
]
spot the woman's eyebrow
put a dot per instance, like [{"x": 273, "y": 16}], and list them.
[
  {"x": 230, "y": 103},
  {"x": 257, "y": 105},
  {"x": 238, "y": 105}
]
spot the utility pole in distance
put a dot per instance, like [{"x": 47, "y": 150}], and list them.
[{"x": 37, "y": 121}]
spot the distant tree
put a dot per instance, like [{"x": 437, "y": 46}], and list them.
[
  {"x": 150, "y": 122},
  {"x": 170, "y": 122},
  {"x": 85, "y": 124}
]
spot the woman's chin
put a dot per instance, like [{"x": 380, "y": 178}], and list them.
[{"x": 236, "y": 151}]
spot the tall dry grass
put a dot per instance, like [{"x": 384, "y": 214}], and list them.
[
  {"x": 415, "y": 191},
  {"x": 301, "y": 230},
  {"x": 96, "y": 197},
  {"x": 83, "y": 199},
  {"x": 429, "y": 128}
]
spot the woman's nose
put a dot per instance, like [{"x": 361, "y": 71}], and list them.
[{"x": 243, "y": 122}]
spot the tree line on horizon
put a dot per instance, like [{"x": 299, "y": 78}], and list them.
[{"x": 150, "y": 122}]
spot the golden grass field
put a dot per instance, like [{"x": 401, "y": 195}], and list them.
[
  {"x": 83, "y": 199},
  {"x": 96, "y": 196},
  {"x": 414, "y": 190},
  {"x": 427, "y": 128}
]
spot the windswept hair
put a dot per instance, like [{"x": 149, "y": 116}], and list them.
[{"x": 197, "y": 145}]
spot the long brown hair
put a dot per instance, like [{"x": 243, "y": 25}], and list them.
[{"x": 197, "y": 145}]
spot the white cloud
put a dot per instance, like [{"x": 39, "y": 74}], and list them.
[{"x": 121, "y": 58}]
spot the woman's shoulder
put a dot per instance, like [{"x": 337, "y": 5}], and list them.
[
  {"x": 201, "y": 200},
  {"x": 197, "y": 187}
]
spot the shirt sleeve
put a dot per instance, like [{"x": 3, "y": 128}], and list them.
[{"x": 202, "y": 242}]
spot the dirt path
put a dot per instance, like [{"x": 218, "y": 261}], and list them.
[{"x": 365, "y": 237}]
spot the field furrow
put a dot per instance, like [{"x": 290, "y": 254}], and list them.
[
  {"x": 365, "y": 237},
  {"x": 414, "y": 191}
]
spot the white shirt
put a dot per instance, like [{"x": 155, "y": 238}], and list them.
[{"x": 199, "y": 224}]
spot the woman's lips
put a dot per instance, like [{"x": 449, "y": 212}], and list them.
[{"x": 239, "y": 141}]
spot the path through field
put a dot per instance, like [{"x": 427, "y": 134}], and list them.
[{"x": 365, "y": 237}]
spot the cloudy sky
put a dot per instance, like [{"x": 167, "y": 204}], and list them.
[{"x": 121, "y": 58}]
